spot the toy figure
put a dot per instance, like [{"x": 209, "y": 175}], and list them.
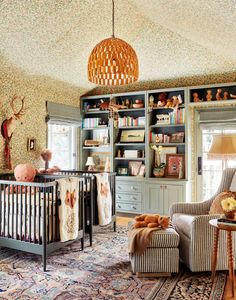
[
  {"x": 161, "y": 99},
  {"x": 176, "y": 101},
  {"x": 152, "y": 221},
  {"x": 209, "y": 95},
  {"x": 218, "y": 94},
  {"x": 226, "y": 96},
  {"x": 151, "y": 101},
  {"x": 196, "y": 98}
]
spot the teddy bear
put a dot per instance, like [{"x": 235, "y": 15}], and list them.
[
  {"x": 161, "y": 100},
  {"x": 169, "y": 103},
  {"x": 152, "y": 221}
]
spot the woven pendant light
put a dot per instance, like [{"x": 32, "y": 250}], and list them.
[{"x": 113, "y": 61}]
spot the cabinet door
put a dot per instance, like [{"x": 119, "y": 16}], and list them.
[
  {"x": 171, "y": 194},
  {"x": 153, "y": 198}
]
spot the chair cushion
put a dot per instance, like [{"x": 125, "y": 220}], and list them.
[
  {"x": 216, "y": 204},
  {"x": 233, "y": 184},
  {"x": 183, "y": 223}
]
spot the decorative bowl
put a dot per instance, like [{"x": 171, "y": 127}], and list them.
[{"x": 137, "y": 105}]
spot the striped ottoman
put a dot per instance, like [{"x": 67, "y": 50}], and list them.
[{"x": 161, "y": 258}]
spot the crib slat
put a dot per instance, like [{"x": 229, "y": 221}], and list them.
[
  {"x": 39, "y": 217},
  {"x": 30, "y": 214},
  {"x": 25, "y": 191},
  {"x": 21, "y": 213},
  {"x": 8, "y": 210},
  {"x": 12, "y": 214},
  {"x": 4, "y": 210},
  {"x": 52, "y": 217},
  {"x": 34, "y": 214},
  {"x": 1, "y": 209},
  {"x": 48, "y": 216},
  {"x": 17, "y": 213}
]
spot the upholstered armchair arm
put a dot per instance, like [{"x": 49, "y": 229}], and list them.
[{"x": 197, "y": 208}]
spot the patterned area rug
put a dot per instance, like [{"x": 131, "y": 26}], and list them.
[{"x": 98, "y": 272}]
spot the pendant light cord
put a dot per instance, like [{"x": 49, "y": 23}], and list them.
[{"x": 113, "y": 19}]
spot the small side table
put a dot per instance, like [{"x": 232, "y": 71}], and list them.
[{"x": 229, "y": 230}]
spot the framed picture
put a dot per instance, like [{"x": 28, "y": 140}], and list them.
[
  {"x": 175, "y": 165},
  {"x": 167, "y": 150},
  {"x": 122, "y": 171},
  {"x": 31, "y": 144},
  {"x": 132, "y": 136},
  {"x": 99, "y": 158},
  {"x": 177, "y": 137},
  {"x": 134, "y": 167}
]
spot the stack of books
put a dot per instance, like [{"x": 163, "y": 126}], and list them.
[{"x": 224, "y": 221}]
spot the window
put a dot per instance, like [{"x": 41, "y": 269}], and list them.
[
  {"x": 62, "y": 141},
  {"x": 211, "y": 168}
]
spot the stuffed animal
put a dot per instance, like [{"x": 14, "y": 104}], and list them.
[
  {"x": 152, "y": 221},
  {"x": 169, "y": 103},
  {"x": 161, "y": 99},
  {"x": 22, "y": 173},
  {"x": 177, "y": 100},
  {"x": 46, "y": 155},
  {"x": 25, "y": 173}
]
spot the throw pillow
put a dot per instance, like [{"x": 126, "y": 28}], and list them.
[
  {"x": 216, "y": 204},
  {"x": 233, "y": 184}
]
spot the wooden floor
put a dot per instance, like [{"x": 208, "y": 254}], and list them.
[{"x": 227, "y": 294}]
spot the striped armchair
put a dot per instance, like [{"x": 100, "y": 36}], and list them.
[{"x": 191, "y": 221}]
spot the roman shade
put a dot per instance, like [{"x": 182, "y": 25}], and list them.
[
  {"x": 63, "y": 114},
  {"x": 221, "y": 118}
]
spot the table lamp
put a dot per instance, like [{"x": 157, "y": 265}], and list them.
[
  {"x": 90, "y": 163},
  {"x": 223, "y": 147}
]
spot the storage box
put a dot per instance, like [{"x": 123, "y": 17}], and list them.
[{"x": 131, "y": 153}]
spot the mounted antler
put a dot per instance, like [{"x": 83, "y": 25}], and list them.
[{"x": 9, "y": 125}]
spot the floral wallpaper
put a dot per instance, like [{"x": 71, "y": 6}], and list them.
[{"x": 37, "y": 90}]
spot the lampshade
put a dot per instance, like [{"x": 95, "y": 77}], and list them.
[
  {"x": 113, "y": 61},
  {"x": 90, "y": 161},
  {"x": 223, "y": 147}
]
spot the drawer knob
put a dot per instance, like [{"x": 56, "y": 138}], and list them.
[
  {"x": 119, "y": 197},
  {"x": 119, "y": 187},
  {"x": 133, "y": 207},
  {"x": 133, "y": 198},
  {"x": 119, "y": 206},
  {"x": 133, "y": 188}
]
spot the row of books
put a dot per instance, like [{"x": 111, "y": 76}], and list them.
[
  {"x": 93, "y": 123},
  {"x": 131, "y": 121},
  {"x": 177, "y": 116}
]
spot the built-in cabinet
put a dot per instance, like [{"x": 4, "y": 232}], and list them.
[
  {"x": 130, "y": 133},
  {"x": 160, "y": 195},
  {"x": 130, "y": 195}
]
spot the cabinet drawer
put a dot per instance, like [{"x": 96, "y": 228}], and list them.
[
  {"x": 130, "y": 207},
  {"x": 123, "y": 197},
  {"x": 131, "y": 187}
]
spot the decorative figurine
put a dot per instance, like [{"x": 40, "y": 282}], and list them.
[
  {"x": 107, "y": 167},
  {"x": 119, "y": 153},
  {"x": 196, "y": 98},
  {"x": 151, "y": 101},
  {"x": 127, "y": 103},
  {"x": 226, "y": 96},
  {"x": 209, "y": 95},
  {"x": 218, "y": 94}
]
